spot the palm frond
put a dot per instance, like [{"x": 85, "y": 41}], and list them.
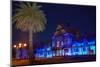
[{"x": 30, "y": 16}]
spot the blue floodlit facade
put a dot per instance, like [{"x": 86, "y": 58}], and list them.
[
  {"x": 66, "y": 45},
  {"x": 62, "y": 44}
]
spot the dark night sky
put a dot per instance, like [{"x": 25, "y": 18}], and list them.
[{"x": 81, "y": 17}]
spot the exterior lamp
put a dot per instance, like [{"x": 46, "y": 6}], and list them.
[
  {"x": 25, "y": 45},
  {"x": 20, "y": 45},
  {"x": 15, "y": 46}
]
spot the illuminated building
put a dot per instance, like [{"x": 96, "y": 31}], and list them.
[{"x": 64, "y": 44}]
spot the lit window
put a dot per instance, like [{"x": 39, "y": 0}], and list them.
[{"x": 58, "y": 43}]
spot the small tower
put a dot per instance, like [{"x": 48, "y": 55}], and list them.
[{"x": 60, "y": 40}]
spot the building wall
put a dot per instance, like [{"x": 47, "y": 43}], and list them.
[{"x": 65, "y": 45}]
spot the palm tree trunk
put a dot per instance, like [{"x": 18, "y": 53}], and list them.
[{"x": 30, "y": 45}]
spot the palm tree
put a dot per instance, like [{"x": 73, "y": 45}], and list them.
[{"x": 30, "y": 18}]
